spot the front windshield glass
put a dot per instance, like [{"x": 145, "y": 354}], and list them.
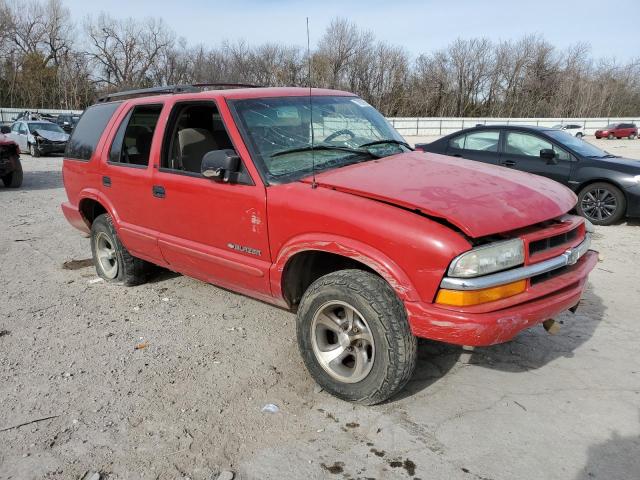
[
  {"x": 46, "y": 126},
  {"x": 578, "y": 145},
  {"x": 279, "y": 133}
]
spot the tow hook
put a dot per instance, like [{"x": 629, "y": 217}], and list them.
[{"x": 551, "y": 326}]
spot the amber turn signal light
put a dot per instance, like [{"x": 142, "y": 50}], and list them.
[{"x": 467, "y": 298}]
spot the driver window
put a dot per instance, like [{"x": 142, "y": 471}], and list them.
[
  {"x": 530, "y": 145},
  {"x": 195, "y": 129}
]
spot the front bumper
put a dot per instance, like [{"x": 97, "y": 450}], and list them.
[
  {"x": 46, "y": 148},
  {"x": 633, "y": 201},
  {"x": 500, "y": 321}
]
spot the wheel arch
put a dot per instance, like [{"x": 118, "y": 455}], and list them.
[
  {"x": 305, "y": 259},
  {"x": 93, "y": 203}
]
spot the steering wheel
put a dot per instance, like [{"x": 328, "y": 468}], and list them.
[{"x": 338, "y": 133}]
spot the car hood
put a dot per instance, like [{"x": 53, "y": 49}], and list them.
[
  {"x": 477, "y": 198},
  {"x": 619, "y": 164},
  {"x": 53, "y": 136}
]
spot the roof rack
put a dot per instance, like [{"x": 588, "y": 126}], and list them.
[{"x": 170, "y": 89}]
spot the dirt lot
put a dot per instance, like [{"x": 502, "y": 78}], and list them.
[{"x": 188, "y": 404}]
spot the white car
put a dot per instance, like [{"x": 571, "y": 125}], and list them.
[{"x": 573, "y": 128}]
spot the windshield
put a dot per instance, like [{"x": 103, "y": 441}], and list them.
[
  {"x": 345, "y": 130},
  {"x": 578, "y": 145},
  {"x": 46, "y": 126}
]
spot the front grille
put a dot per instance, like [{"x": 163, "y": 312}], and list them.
[{"x": 548, "y": 243}]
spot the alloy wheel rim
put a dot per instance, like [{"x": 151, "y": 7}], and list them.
[
  {"x": 106, "y": 254},
  {"x": 599, "y": 204},
  {"x": 342, "y": 342}
]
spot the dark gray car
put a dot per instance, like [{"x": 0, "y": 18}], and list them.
[{"x": 608, "y": 186}]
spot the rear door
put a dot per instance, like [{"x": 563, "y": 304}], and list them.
[
  {"x": 521, "y": 151},
  {"x": 213, "y": 231},
  {"x": 126, "y": 178},
  {"x": 481, "y": 145}
]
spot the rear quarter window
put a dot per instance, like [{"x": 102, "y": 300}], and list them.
[{"x": 90, "y": 127}]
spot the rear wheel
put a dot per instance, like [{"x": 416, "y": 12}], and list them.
[
  {"x": 632, "y": 136},
  {"x": 610, "y": 136},
  {"x": 112, "y": 260},
  {"x": 354, "y": 337},
  {"x": 14, "y": 179},
  {"x": 602, "y": 203},
  {"x": 579, "y": 135}
]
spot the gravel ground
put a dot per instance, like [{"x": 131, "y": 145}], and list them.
[{"x": 167, "y": 380}]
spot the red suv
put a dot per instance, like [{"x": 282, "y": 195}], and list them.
[
  {"x": 618, "y": 130},
  {"x": 315, "y": 204}
]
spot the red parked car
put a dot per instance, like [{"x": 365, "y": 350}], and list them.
[
  {"x": 315, "y": 204},
  {"x": 10, "y": 166},
  {"x": 618, "y": 130}
]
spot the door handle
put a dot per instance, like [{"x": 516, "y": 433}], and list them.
[
  {"x": 509, "y": 163},
  {"x": 106, "y": 181},
  {"x": 158, "y": 191}
]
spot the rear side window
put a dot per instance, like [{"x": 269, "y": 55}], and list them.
[
  {"x": 87, "y": 133},
  {"x": 132, "y": 143},
  {"x": 483, "y": 141}
]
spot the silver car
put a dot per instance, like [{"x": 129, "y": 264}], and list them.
[{"x": 39, "y": 137}]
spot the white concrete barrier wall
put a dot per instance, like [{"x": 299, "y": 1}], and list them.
[
  {"x": 8, "y": 114},
  {"x": 411, "y": 126},
  {"x": 422, "y": 126}
]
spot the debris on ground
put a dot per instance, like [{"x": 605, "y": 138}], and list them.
[
  {"x": 4, "y": 333},
  {"x": 141, "y": 346},
  {"x": 96, "y": 280},
  {"x": 270, "y": 408},
  {"x": 77, "y": 264},
  {"x": 91, "y": 476},
  {"x": 226, "y": 475}
]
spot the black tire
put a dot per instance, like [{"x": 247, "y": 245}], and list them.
[
  {"x": 632, "y": 136},
  {"x": 585, "y": 202},
  {"x": 130, "y": 270},
  {"x": 34, "y": 151},
  {"x": 579, "y": 135},
  {"x": 611, "y": 136},
  {"x": 14, "y": 179},
  {"x": 395, "y": 346}
]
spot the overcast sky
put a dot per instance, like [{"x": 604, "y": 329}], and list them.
[{"x": 419, "y": 26}]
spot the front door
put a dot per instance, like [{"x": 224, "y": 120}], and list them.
[
  {"x": 126, "y": 179},
  {"x": 521, "y": 151},
  {"x": 216, "y": 232}
]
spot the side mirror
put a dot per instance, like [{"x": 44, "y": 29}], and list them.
[
  {"x": 5, "y": 129},
  {"x": 549, "y": 155},
  {"x": 220, "y": 165}
]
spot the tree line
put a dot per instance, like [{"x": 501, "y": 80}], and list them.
[{"x": 48, "y": 60}]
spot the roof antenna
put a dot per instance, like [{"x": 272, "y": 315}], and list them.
[{"x": 313, "y": 156}]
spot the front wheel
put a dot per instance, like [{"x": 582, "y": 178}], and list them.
[
  {"x": 112, "y": 260},
  {"x": 632, "y": 136},
  {"x": 611, "y": 136},
  {"x": 354, "y": 337},
  {"x": 34, "y": 151},
  {"x": 579, "y": 135},
  {"x": 602, "y": 203}
]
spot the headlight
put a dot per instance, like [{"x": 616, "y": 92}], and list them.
[
  {"x": 488, "y": 259},
  {"x": 636, "y": 179},
  {"x": 588, "y": 226}
]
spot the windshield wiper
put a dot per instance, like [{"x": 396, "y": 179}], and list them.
[
  {"x": 308, "y": 148},
  {"x": 388, "y": 140}
]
